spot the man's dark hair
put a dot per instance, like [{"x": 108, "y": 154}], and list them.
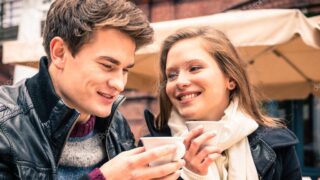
[{"x": 75, "y": 21}]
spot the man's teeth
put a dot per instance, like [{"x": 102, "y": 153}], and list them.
[
  {"x": 189, "y": 96},
  {"x": 105, "y": 95}
]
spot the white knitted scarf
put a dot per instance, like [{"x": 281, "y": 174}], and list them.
[{"x": 238, "y": 163}]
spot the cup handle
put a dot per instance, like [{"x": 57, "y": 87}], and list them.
[{"x": 181, "y": 150}]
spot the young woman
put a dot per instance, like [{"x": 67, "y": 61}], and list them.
[{"x": 204, "y": 79}]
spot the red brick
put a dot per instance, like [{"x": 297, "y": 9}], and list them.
[{"x": 162, "y": 11}]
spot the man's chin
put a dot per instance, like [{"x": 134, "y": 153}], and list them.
[
  {"x": 98, "y": 110},
  {"x": 103, "y": 114}
]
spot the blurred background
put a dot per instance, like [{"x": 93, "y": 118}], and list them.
[{"x": 302, "y": 112}]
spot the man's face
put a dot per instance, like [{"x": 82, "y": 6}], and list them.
[{"x": 92, "y": 80}]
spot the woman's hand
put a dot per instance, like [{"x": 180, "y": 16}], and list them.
[{"x": 199, "y": 157}]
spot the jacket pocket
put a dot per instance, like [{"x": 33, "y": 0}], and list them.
[{"x": 27, "y": 170}]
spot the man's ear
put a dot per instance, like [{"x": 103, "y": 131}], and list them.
[{"x": 58, "y": 52}]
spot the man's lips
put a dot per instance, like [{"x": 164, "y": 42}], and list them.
[{"x": 106, "y": 95}]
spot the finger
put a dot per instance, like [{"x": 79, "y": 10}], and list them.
[
  {"x": 153, "y": 154},
  {"x": 205, "y": 152},
  {"x": 193, "y": 134},
  {"x": 162, "y": 171},
  {"x": 133, "y": 151},
  {"x": 172, "y": 176},
  {"x": 199, "y": 141},
  {"x": 210, "y": 159}
]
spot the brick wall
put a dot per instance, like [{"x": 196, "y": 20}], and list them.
[
  {"x": 133, "y": 110},
  {"x": 162, "y": 10}
]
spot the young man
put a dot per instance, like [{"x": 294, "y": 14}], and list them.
[{"x": 63, "y": 122}]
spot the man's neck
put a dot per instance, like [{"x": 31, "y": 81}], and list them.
[{"x": 83, "y": 118}]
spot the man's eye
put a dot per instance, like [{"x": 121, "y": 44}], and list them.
[
  {"x": 125, "y": 71},
  {"x": 108, "y": 66}
]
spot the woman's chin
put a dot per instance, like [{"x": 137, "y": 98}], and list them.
[{"x": 189, "y": 115}]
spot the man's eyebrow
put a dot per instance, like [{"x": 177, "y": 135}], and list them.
[
  {"x": 114, "y": 61},
  {"x": 110, "y": 59}
]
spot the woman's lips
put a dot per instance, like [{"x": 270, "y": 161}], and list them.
[{"x": 187, "y": 96}]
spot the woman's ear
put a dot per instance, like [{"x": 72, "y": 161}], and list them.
[
  {"x": 231, "y": 84},
  {"x": 58, "y": 52}
]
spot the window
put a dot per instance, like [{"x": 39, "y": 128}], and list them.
[
  {"x": 311, "y": 147},
  {"x": 10, "y": 12},
  {"x": 303, "y": 118}
]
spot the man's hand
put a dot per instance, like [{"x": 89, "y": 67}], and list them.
[{"x": 133, "y": 164}]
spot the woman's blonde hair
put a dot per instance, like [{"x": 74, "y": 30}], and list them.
[{"x": 221, "y": 49}]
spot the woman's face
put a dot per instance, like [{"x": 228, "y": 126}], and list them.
[{"x": 196, "y": 86}]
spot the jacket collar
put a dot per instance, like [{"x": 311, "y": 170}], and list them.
[
  {"x": 42, "y": 93},
  {"x": 57, "y": 119},
  {"x": 103, "y": 124},
  {"x": 263, "y": 141},
  {"x": 150, "y": 121}
]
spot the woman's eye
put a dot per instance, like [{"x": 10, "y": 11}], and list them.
[
  {"x": 172, "y": 76},
  {"x": 195, "y": 68}
]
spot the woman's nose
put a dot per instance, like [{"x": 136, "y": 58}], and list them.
[{"x": 182, "y": 81}]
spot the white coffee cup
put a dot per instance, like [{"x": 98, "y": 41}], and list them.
[
  {"x": 154, "y": 142},
  {"x": 215, "y": 127}
]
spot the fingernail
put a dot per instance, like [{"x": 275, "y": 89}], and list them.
[
  {"x": 213, "y": 132},
  {"x": 200, "y": 126}
]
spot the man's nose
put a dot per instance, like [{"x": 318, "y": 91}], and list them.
[{"x": 118, "y": 82}]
